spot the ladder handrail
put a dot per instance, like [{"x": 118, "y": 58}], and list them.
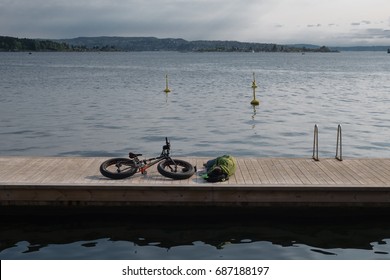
[
  {"x": 315, "y": 144},
  {"x": 339, "y": 156}
]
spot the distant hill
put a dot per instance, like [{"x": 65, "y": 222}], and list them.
[
  {"x": 172, "y": 44},
  {"x": 108, "y": 43},
  {"x": 307, "y": 46},
  {"x": 345, "y": 49},
  {"x": 361, "y": 48},
  {"x": 16, "y": 44}
]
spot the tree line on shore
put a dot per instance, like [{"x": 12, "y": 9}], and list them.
[
  {"x": 82, "y": 44},
  {"x": 16, "y": 44}
]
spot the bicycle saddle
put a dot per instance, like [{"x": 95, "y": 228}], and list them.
[{"x": 131, "y": 155}]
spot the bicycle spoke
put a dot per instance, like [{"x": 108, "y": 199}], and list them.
[
  {"x": 124, "y": 169},
  {"x": 170, "y": 167},
  {"x": 120, "y": 167}
]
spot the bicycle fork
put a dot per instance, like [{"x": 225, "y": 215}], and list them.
[{"x": 170, "y": 166}]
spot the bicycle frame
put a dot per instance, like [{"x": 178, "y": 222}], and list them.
[
  {"x": 143, "y": 165},
  {"x": 120, "y": 168}
]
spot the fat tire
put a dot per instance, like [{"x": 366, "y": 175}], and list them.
[
  {"x": 186, "y": 170},
  {"x": 131, "y": 170}
]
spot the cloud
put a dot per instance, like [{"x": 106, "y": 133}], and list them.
[
  {"x": 199, "y": 19},
  {"x": 369, "y": 36},
  {"x": 376, "y": 33},
  {"x": 314, "y": 25},
  {"x": 277, "y": 21},
  {"x": 363, "y": 22}
]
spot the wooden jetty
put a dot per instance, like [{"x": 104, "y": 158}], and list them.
[{"x": 75, "y": 182}]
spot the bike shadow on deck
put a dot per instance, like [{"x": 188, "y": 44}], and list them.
[{"x": 151, "y": 178}]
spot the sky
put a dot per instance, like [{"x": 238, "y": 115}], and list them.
[{"x": 320, "y": 22}]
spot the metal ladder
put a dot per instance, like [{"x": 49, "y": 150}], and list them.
[{"x": 339, "y": 150}]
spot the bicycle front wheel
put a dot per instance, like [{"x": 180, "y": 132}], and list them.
[
  {"x": 118, "y": 168},
  {"x": 176, "y": 169}
]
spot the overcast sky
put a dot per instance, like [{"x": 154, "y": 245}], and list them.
[{"x": 322, "y": 22}]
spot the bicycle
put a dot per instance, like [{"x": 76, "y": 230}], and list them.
[{"x": 120, "y": 168}]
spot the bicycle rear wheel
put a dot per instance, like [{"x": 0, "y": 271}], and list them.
[
  {"x": 118, "y": 168},
  {"x": 176, "y": 169}
]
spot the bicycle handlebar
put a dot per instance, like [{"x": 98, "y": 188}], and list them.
[{"x": 167, "y": 145}]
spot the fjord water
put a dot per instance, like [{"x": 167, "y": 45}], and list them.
[
  {"x": 98, "y": 104},
  {"x": 106, "y": 104}
]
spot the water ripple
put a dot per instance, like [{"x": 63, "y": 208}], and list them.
[{"x": 86, "y": 103}]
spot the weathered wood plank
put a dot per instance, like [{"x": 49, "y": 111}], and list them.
[
  {"x": 369, "y": 173},
  {"x": 289, "y": 168},
  {"x": 360, "y": 175},
  {"x": 267, "y": 167},
  {"x": 327, "y": 175},
  {"x": 250, "y": 171},
  {"x": 257, "y": 182},
  {"x": 305, "y": 165},
  {"x": 295, "y": 167},
  {"x": 339, "y": 172}
]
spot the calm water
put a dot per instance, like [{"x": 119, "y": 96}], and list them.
[
  {"x": 94, "y": 104},
  {"x": 105, "y": 104}
]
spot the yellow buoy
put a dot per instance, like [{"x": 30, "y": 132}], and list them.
[
  {"x": 166, "y": 90},
  {"x": 254, "y": 102}
]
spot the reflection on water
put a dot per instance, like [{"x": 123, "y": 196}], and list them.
[
  {"x": 123, "y": 237},
  {"x": 253, "y": 116}
]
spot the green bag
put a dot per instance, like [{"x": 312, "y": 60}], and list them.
[{"x": 220, "y": 168}]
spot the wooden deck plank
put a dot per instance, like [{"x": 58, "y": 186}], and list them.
[
  {"x": 90, "y": 168},
  {"x": 261, "y": 177},
  {"x": 355, "y": 173},
  {"x": 257, "y": 181},
  {"x": 379, "y": 166},
  {"x": 254, "y": 174},
  {"x": 62, "y": 170},
  {"x": 264, "y": 163},
  {"x": 275, "y": 169},
  {"x": 240, "y": 173},
  {"x": 327, "y": 175},
  {"x": 360, "y": 174},
  {"x": 369, "y": 173},
  {"x": 315, "y": 174},
  {"x": 250, "y": 171},
  {"x": 385, "y": 163},
  {"x": 289, "y": 168},
  {"x": 244, "y": 171},
  {"x": 295, "y": 167},
  {"x": 305, "y": 165},
  {"x": 26, "y": 170},
  {"x": 19, "y": 169},
  {"x": 339, "y": 170},
  {"x": 263, "y": 172}
]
